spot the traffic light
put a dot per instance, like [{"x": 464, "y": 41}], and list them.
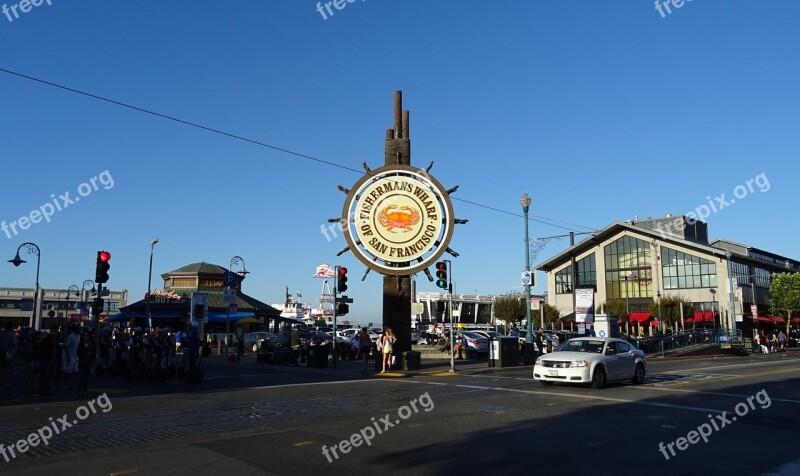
[
  {"x": 342, "y": 308},
  {"x": 101, "y": 273},
  {"x": 441, "y": 274},
  {"x": 341, "y": 283},
  {"x": 97, "y": 307}
]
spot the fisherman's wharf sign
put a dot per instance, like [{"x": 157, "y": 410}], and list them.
[{"x": 400, "y": 220}]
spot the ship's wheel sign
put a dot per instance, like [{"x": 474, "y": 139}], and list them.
[{"x": 399, "y": 220}]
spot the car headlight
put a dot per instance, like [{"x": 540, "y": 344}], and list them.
[
  {"x": 538, "y": 361},
  {"x": 579, "y": 363}
]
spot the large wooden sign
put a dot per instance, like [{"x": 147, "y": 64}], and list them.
[{"x": 399, "y": 220}]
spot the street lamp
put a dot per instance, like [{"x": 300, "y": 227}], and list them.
[
  {"x": 32, "y": 249},
  {"x": 149, "y": 278},
  {"x": 234, "y": 261},
  {"x": 86, "y": 288},
  {"x": 77, "y": 294},
  {"x": 525, "y": 201},
  {"x": 713, "y": 301}
]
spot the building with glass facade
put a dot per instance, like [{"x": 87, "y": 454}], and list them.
[{"x": 643, "y": 262}]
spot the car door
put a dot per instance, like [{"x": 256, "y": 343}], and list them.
[
  {"x": 614, "y": 362},
  {"x": 627, "y": 361}
]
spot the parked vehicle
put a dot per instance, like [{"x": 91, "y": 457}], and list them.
[
  {"x": 591, "y": 360},
  {"x": 252, "y": 340}
]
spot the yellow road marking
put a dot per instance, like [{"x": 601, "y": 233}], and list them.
[
  {"x": 304, "y": 443},
  {"x": 123, "y": 473}
]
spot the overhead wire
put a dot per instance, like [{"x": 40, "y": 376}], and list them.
[{"x": 538, "y": 219}]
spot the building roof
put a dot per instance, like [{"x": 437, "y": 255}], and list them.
[
  {"x": 198, "y": 268},
  {"x": 719, "y": 247},
  {"x": 614, "y": 229}
]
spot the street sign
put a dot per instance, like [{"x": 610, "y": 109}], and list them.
[
  {"x": 81, "y": 305},
  {"x": 417, "y": 308},
  {"x": 234, "y": 308},
  {"x": 527, "y": 278},
  {"x": 754, "y": 310},
  {"x": 535, "y": 304},
  {"x": 230, "y": 296},
  {"x": 229, "y": 278},
  {"x": 344, "y": 299}
]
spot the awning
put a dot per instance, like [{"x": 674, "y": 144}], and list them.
[
  {"x": 640, "y": 317},
  {"x": 702, "y": 316},
  {"x": 127, "y": 316},
  {"x": 222, "y": 317}
]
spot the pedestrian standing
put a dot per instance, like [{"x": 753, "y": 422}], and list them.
[
  {"x": 365, "y": 346},
  {"x": 45, "y": 363},
  {"x": 8, "y": 348},
  {"x": 69, "y": 364},
  {"x": 387, "y": 342},
  {"x": 32, "y": 359},
  {"x": 355, "y": 345},
  {"x": 782, "y": 340},
  {"x": 86, "y": 351}
]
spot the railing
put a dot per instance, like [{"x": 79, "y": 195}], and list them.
[{"x": 689, "y": 340}]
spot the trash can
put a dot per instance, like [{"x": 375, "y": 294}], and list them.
[
  {"x": 318, "y": 356},
  {"x": 504, "y": 352},
  {"x": 262, "y": 357},
  {"x": 411, "y": 360}
]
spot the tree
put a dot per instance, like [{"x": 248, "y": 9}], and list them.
[
  {"x": 615, "y": 307},
  {"x": 670, "y": 309},
  {"x": 510, "y": 308},
  {"x": 551, "y": 315},
  {"x": 785, "y": 296}
]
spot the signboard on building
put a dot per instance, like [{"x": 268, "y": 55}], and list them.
[{"x": 584, "y": 305}]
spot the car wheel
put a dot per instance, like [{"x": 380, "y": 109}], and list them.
[
  {"x": 638, "y": 375},
  {"x": 545, "y": 382},
  {"x": 599, "y": 378},
  {"x": 255, "y": 347}
]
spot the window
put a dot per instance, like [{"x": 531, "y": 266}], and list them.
[
  {"x": 628, "y": 272},
  {"x": 681, "y": 270},
  {"x": 587, "y": 272},
  {"x": 564, "y": 281},
  {"x": 623, "y": 347},
  {"x": 184, "y": 282},
  {"x": 611, "y": 348}
]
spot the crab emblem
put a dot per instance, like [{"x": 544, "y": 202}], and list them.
[{"x": 403, "y": 218}]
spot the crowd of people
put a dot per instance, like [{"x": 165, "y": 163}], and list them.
[
  {"x": 67, "y": 357},
  {"x": 771, "y": 342}
]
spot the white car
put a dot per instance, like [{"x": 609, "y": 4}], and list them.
[{"x": 592, "y": 360}]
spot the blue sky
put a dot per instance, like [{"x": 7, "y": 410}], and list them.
[{"x": 601, "y": 111}]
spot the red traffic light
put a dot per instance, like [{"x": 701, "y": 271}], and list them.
[
  {"x": 342, "y": 271},
  {"x": 104, "y": 256},
  {"x": 441, "y": 266}
]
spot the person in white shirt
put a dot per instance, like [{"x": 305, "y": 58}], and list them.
[{"x": 69, "y": 362}]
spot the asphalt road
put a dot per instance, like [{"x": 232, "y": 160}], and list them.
[{"x": 249, "y": 418}]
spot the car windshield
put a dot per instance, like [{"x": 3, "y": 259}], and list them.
[{"x": 593, "y": 346}]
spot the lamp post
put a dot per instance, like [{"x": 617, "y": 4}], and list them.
[
  {"x": 66, "y": 313},
  {"x": 713, "y": 301},
  {"x": 234, "y": 261},
  {"x": 525, "y": 201},
  {"x": 149, "y": 277},
  {"x": 86, "y": 288},
  {"x": 32, "y": 249},
  {"x": 660, "y": 321},
  {"x": 627, "y": 301}
]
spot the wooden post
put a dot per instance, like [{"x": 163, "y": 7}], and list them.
[{"x": 397, "y": 289}]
